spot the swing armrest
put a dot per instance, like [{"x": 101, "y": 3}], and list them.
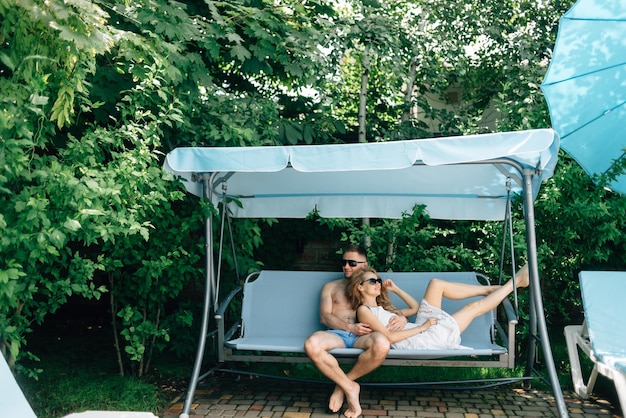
[
  {"x": 505, "y": 331},
  {"x": 509, "y": 311},
  {"x": 221, "y": 309},
  {"x": 508, "y": 336},
  {"x": 220, "y": 314}
]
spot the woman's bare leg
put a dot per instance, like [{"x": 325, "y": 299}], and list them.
[
  {"x": 466, "y": 314},
  {"x": 438, "y": 288}
]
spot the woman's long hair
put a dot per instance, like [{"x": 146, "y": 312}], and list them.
[{"x": 355, "y": 297}]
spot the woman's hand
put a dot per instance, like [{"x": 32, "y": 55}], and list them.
[
  {"x": 412, "y": 306},
  {"x": 429, "y": 323},
  {"x": 390, "y": 285}
]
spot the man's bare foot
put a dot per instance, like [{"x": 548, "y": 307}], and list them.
[
  {"x": 522, "y": 279},
  {"x": 336, "y": 399},
  {"x": 354, "y": 405}
]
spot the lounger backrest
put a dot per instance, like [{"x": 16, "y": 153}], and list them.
[
  {"x": 603, "y": 295},
  {"x": 289, "y": 300},
  {"x": 13, "y": 403}
]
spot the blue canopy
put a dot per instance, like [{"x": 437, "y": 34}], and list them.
[{"x": 461, "y": 177}]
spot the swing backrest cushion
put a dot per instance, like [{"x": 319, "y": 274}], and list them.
[{"x": 281, "y": 309}]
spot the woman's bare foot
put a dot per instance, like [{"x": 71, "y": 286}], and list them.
[
  {"x": 522, "y": 278},
  {"x": 354, "y": 405},
  {"x": 336, "y": 399}
]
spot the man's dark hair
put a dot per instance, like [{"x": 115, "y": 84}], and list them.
[{"x": 353, "y": 248}]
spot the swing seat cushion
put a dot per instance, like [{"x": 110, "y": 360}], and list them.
[{"x": 280, "y": 311}]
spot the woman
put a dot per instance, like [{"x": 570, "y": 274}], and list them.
[{"x": 433, "y": 327}]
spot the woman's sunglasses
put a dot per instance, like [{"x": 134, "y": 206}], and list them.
[
  {"x": 351, "y": 263},
  {"x": 373, "y": 281}
]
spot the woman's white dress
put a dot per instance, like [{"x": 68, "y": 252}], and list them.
[{"x": 443, "y": 336}]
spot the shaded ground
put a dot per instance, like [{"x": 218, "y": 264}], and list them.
[
  {"x": 225, "y": 395},
  {"x": 80, "y": 342}
]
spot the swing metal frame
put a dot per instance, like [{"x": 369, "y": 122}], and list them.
[{"x": 289, "y": 182}]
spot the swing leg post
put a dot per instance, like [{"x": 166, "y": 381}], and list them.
[
  {"x": 535, "y": 294},
  {"x": 210, "y": 287}
]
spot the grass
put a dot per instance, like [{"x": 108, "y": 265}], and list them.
[
  {"x": 61, "y": 394},
  {"x": 80, "y": 372}
]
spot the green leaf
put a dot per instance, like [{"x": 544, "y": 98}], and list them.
[
  {"x": 239, "y": 52},
  {"x": 6, "y": 60},
  {"x": 307, "y": 134},
  {"x": 92, "y": 212},
  {"x": 38, "y": 100},
  {"x": 72, "y": 224},
  {"x": 293, "y": 133},
  {"x": 57, "y": 238}
]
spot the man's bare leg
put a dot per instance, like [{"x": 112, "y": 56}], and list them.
[
  {"x": 354, "y": 403},
  {"x": 317, "y": 347},
  {"x": 336, "y": 399},
  {"x": 376, "y": 347}
]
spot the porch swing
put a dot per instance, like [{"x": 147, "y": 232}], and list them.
[{"x": 455, "y": 178}]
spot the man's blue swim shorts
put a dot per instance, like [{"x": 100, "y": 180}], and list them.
[{"x": 348, "y": 338}]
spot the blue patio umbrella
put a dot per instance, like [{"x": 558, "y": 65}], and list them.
[{"x": 585, "y": 85}]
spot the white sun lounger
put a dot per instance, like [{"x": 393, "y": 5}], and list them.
[
  {"x": 13, "y": 403},
  {"x": 602, "y": 336}
]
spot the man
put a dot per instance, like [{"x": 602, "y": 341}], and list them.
[{"x": 344, "y": 331}]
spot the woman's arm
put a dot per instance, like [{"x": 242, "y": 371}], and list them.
[
  {"x": 408, "y": 299},
  {"x": 365, "y": 315}
]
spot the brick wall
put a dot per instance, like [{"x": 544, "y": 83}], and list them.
[{"x": 319, "y": 256}]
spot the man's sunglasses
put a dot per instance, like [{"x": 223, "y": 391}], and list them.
[
  {"x": 351, "y": 263},
  {"x": 373, "y": 281}
]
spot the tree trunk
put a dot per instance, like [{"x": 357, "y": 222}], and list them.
[
  {"x": 408, "y": 93},
  {"x": 362, "y": 112},
  {"x": 114, "y": 325},
  {"x": 363, "y": 96}
]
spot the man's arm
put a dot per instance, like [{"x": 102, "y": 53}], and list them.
[
  {"x": 397, "y": 323},
  {"x": 393, "y": 336}
]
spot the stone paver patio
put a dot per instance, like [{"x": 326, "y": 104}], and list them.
[{"x": 230, "y": 396}]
